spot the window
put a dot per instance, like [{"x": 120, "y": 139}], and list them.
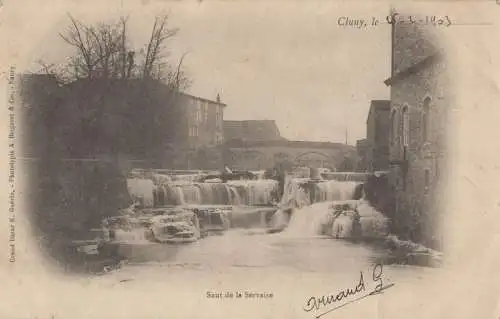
[
  {"x": 436, "y": 173},
  {"x": 425, "y": 119},
  {"x": 218, "y": 117},
  {"x": 394, "y": 127},
  {"x": 198, "y": 112},
  {"x": 193, "y": 131},
  {"x": 218, "y": 139},
  {"x": 426, "y": 180},
  {"x": 406, "y": 126}
]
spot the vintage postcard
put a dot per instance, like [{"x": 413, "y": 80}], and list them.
[{"x": 237, "y": 159}]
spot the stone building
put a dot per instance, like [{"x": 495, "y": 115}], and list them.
[
  {"x": 361, "y": 152},
  {"x": 202, "y": 121},
  {"x": 201, "y": 133},
  {"x": 377, "y": 136},
  {"x": 419, "y": 102}
]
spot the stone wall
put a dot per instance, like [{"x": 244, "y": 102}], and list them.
[
  {"x": 202, "y": 121},
  {"x": 417, "y": 213},
  {"x": 268, "y": 154},
  {"x": 377, "y": 135}
]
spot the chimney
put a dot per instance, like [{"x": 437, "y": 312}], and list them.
[{"x": 218, "y": 98}]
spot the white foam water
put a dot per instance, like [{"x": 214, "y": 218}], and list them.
[
  {"x": 309, "y": 199},
  {"x": 333, "y": 190},
  {"x": 307, "y": 221},
  {"x": 142, "y": 190},
  {"x": 310, "y": 221},
  {"x": 239, "y": 192},
  {"x": 311, "y": 204}
]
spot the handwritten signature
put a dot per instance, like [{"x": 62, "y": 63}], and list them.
[{"x": 317, "y": 303}]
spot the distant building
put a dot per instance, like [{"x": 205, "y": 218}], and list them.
[
  {"x": 252, "y": 130},
  {"x": 377, "y": 135},
  {"x": 201, "y": 133},
  {"x": 362, "y": 148},
  {"x": 419, "y": 100},
  {"x": 202, "y": 121}
]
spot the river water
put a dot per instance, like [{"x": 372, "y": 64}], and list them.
[
  {"x": 300, "y": 247},
  {"x": 174, "y": 281}
]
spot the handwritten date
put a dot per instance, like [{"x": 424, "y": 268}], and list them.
[{"x": 432, "y": 20}]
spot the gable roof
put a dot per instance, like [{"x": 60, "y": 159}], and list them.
[{"x": 201, "y": 99}]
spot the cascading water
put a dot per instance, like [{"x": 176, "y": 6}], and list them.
[
  {"x": 259, "y": 174},
  {"x": 141, "y": 190},
  {"x": 161, "y": 179},
  {"x": 333, "y": 190},
  {"x": 239, "y": 192},
  {"x": 254, "y": 192},
  {"x": 311, "y": 205},
  {"x": 318, "y": 219},
  {"x": 345, "y": 176},
  {"x": 309, "y": 199}
]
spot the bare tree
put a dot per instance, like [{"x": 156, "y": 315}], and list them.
[
  {"x": 60, "y": 72},
  {"x": 103, "y": 51},
  {"x": 79, "y": 37},
  {"x": 156, "y": 64}
]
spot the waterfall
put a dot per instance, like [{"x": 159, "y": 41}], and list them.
[
  {"x": 159, "y": 179},
  {"x": 312, "y": 203},
  {"x": 294, "y": 195},
  {"x": 319, "y": 219},
  {"x": 260, "y": 174},
  {"x": 239, "y": 192},
  {"x": 179, "y": 195},
  {"x": 300, "y": 192},
  {"x": 373, "y": 223},
  {"x": 307, "y": 221},
  {"x": 254, "y": 192},
  {"x": 346, "y": 176},
  {"x": 333, "y": 190},
  {"x": 141, "y": 190}
]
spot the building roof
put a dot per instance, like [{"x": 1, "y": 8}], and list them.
[
  {"x": 362, "y": 142},
  {"x": 422, "y": 64},
  {"x": 252, "y": 130},
  {"x": 287, "y": 143},
  {"x": 130, "y": 81},
  {"x": 201, "y": 99},
  {"x": 377, "y": 106},
  {"x": 380, "y": 104}
]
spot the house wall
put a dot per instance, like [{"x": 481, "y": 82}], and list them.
[
  {"x": 418, "y": 192},
  {"x": 377, "y": 135},
  {"x": 363, "y": 155},
  {"x": 204, "y": 122}
]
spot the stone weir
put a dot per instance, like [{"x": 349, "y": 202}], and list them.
[{"x": 246, "y": 188}]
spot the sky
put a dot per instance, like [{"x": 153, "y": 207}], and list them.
[{"x": 286, "y": 61}]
